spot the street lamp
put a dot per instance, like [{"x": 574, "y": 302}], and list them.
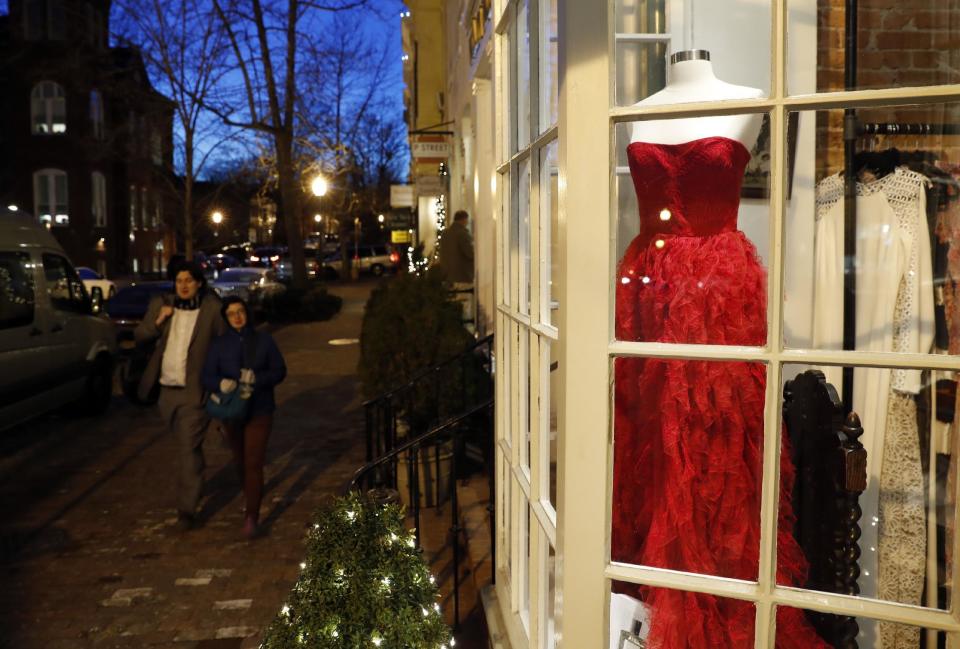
[
  {"x": 318, "y": 218},
  {"x": 217, "y": 218},
  {"x": 380, "y": 218},
  {"x": 319, "y": 186}
]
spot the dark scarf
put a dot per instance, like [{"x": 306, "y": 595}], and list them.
[{"x": 188, "y": 305}]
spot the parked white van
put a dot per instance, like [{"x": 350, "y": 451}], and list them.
[{"x": 54, "y": 351}]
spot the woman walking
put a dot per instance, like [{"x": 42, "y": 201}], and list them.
[{"x": 247, "y": 360}]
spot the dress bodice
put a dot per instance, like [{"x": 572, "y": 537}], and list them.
[{"x": 688, "y": 189}]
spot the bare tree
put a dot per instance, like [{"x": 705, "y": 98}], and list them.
[
  {"x": 265, "y": 37},
  {"x": 350, "y": 119},
  {"x": 184, "y": 51}
]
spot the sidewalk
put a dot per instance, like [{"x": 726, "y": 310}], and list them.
[{"x": 92, "y": 556}]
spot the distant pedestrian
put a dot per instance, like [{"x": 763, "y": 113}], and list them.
[
  {"x": 183, "y": 325},
  {"x": 455, "y": 256},
  {"x": 247, "y": 360}
]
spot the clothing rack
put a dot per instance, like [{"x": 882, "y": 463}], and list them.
[{"x": 906, "y": 128}]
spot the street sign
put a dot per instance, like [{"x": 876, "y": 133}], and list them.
[
  {"x": 400, "y": 236},
  {"x": 421, "y": 149},
  {"x": 401, "y": 196},
  {"x": 432, "y": 185},
  {"x": 402, "y": 219}
]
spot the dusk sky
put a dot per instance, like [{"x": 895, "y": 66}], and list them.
[{"x": 380, "y": 26}]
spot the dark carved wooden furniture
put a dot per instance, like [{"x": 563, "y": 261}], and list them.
[{"x": 831, "y": 474}]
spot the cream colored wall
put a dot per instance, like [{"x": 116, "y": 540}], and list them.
[{"x": 470, "y": 106}]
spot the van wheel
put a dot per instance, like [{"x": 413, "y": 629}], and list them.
[
  {"x": 98, "y": 389},
  {"x": 377, "y": 270}
]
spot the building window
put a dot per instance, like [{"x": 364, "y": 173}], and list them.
[
  {"x": 99, "y": 202},
  {"x": 144, "y": 209},
  {"x": 157, "y": 211},
  {"x": 156, "y": 146},
  {"x": 16, "y": 290},
  {"x": 58, "y": 20},
  {"x": 48, "y": 108},
  {"x": 50, "y": 197},
  {"x": 34, "y": 19},
  {"x": 96, "y": 114},
  {"x": 133, "y": 208}
]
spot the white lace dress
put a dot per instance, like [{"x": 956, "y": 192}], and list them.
[{"x": 894, "y": 304}]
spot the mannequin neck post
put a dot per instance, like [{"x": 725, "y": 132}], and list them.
[{"x": 691, "y": 72}]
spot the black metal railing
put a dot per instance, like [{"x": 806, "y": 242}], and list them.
[
  {"x": 456, "y": 429},
  {"x": 448, "y": 410},
  {"x": 428, "y": 398}
]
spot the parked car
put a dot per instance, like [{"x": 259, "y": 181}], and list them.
[
  {"x": 313, "y": 263},
  {"x": 220, "y": 262},
  {"x": 92, "y": 278},
  {"x": 252, "y": 284},
  {"x": 128, "y": 307},
  {"x": 267, "y": 256},
  {"x": 53, "y": 351},
  {"x": 375, "y": 259}
]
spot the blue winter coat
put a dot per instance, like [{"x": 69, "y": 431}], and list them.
[{"x": 226, "y": 358}]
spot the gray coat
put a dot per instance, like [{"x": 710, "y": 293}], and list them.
[
  {"x": 456, "y": 253},
  {"x": 209, "y": 325}
]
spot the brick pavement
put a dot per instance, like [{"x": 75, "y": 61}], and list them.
[{"x": 89, "y": 553}]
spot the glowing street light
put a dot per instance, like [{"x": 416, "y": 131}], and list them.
[
  {"x": 318, "y": 218},
  {"x": 217, "y": 218},
  {"x": 319, "y": 186},
  {"x": 380, "y": 218}
]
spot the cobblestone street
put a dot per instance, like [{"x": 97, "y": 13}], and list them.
[{"x": 90, "y": 555}]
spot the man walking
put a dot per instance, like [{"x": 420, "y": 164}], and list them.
[
  {"x": 183, "y": 326},
  {"x": 455, "y": 255}
]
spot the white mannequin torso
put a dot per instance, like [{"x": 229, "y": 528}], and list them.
[{"x": 692, "y": 81}]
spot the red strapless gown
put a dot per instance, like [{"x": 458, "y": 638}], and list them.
[{"x": 689, "y": 434}]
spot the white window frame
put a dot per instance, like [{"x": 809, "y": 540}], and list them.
[
  {"x": 51, "y": 217},
  {"x": 48, "y": 101},
  {"x": 98, "y": 196},
  {"x": 525, "y": 335},
  {"x": 587, "y": 169}
]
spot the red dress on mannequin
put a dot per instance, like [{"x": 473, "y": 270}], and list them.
[{"x": 689, "y": 434}]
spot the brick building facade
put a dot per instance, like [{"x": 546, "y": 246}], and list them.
[
  {"x": 907, "y": 43},
  {"x": 90, "y": 139}
]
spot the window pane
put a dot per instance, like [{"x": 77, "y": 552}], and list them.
[
  {"x": 550, "y": 584},
  {"x": 549, "y": 79},
  {"x": 522, "y": 74},
  {"x": 552, "y": 399},
  {"x": 739, "y": 53},
  {"x": 904, "y": 43},
  {"x": 837, "y": 629},
  {"x": 641, "y": 616},
  {"x": 688, "y": 439},
  {"x": 523, "y": 206},
  {"x": 508, "y": 241},
  {"x": 16, "y": 290},
  {"x": 692, "y": 233},
  {"x": 58, "y": 112},
  {"x": 42, "y": 197},
  {"x": 883, "y": 265},
  {"x": 549, "y": 240},
  {"x": 63, "y": 285},
  {"x": 61, "y": 199},
  {"x": 525, "y": 566},
  {"x": 641, "y": 62},
  {"x": 894, "y": 470}
]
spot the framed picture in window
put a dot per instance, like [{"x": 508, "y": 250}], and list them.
[{"x": 756, "y": 177}]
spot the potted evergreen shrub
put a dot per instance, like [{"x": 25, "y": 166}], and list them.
[{"x": 363, "y": 584}]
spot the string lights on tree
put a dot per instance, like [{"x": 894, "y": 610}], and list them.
[{"x": 364, "y": 584}]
